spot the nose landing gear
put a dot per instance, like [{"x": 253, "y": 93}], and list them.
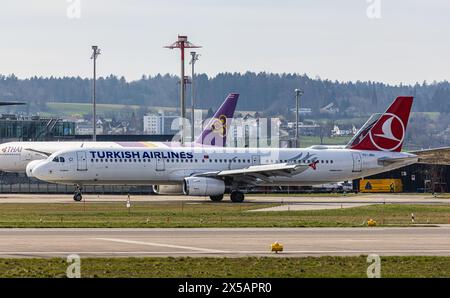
[{"x": 77, "y": 197}]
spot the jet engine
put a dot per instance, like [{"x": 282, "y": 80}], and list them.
[
  {"x": 203, "y": 186},
  {"x": 168, "y": 189}
]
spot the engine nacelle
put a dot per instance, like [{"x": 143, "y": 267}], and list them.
[
  {"x": 203, "y": 186},
  {"x": 168, "y": 189}
]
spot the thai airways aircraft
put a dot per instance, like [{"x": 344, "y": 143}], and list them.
[{"x": 213, "y": 171}]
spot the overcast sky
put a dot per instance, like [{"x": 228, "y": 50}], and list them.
[{"x": 403, "y": 41}]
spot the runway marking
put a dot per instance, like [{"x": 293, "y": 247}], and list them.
[
  {"x": 223, "y": 253},
  {"x": 358, "y": 240},
  {"x": 162, "y": 245}
]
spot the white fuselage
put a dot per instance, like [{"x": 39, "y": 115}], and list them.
[
  {"x": 136, "y": 166},
  {"x": 15, "y": 156}
]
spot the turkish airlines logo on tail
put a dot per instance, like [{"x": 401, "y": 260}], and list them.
[{"x": 389, "y": 132}]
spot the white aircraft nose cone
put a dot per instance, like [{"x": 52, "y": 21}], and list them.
[{"x": 31, "y": 166}]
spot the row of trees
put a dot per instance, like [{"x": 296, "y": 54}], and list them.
[{"x": 266, "y": 92}]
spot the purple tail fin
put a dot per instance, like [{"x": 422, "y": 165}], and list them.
[{"x": 215, "y": 132}]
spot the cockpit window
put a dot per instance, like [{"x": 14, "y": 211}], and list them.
[
  {"x": 56, "y": 159},
  {"x": 61, "y": 159}
]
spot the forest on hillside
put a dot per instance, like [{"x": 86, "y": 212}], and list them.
[{"x": 269, "y": 93}]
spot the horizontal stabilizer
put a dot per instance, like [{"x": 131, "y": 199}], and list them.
[{"x": 385, "y": 161}]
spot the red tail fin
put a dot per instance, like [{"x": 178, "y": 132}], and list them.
[{"x": 388, "y": 133}]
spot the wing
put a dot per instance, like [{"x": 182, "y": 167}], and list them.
[
  {"x": 46, "y": 154},
  {"x": 254, "y": 174},
  {"x": 439, "y": 156}
]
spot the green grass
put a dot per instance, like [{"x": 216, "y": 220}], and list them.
[
  {"x": 229, "y": 267},
  {"x": 69, "y": 109},
  {"x": 303, "y": 195},
  {"x": 307, "y": 141},
  {"x": 150, "y": 215}
]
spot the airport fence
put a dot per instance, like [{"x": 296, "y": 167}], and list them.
[{"x": 23, "y": 184}]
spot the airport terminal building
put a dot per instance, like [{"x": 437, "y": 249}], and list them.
[{"x": 34, "y": 128}]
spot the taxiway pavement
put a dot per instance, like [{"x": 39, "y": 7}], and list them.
[{"x": 219, "y": 242}]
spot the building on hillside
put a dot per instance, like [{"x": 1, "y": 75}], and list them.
[
  {"x": 160, "y": 124},
  {"x": 330, "y": 108},
  {"x": 302, "y": 111},
  {"x": 304, "y": 128},
  {"x": 337, "y": 132},
  {"x": 84, "y": 127}
]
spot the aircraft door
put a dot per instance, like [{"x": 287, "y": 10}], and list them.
[
  {"x": 160, "y": 165},
  {"x": 357, "y": 162},
  {"x": 81, "y": 161},
  {"x": 256, "y": 160}
]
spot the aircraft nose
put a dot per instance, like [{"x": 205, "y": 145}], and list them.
[
  {"x": 39, "y": 171},
  {"x": 29, "y": 170}
]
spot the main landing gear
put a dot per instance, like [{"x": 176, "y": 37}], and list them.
[
  {"x": 237, "y": 196},
  {"x": 217, "y": 198},
  {"x": 77, "y": 197}
]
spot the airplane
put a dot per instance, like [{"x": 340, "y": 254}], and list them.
[
  {"x": 14, "y": 156},
  {"x": 213, "y": 171}
]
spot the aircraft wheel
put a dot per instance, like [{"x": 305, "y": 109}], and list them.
[
  {"x": 217, "y": 198},
  {"x": 77, "y": 197},
  {"x": 237, "y": 196}
]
